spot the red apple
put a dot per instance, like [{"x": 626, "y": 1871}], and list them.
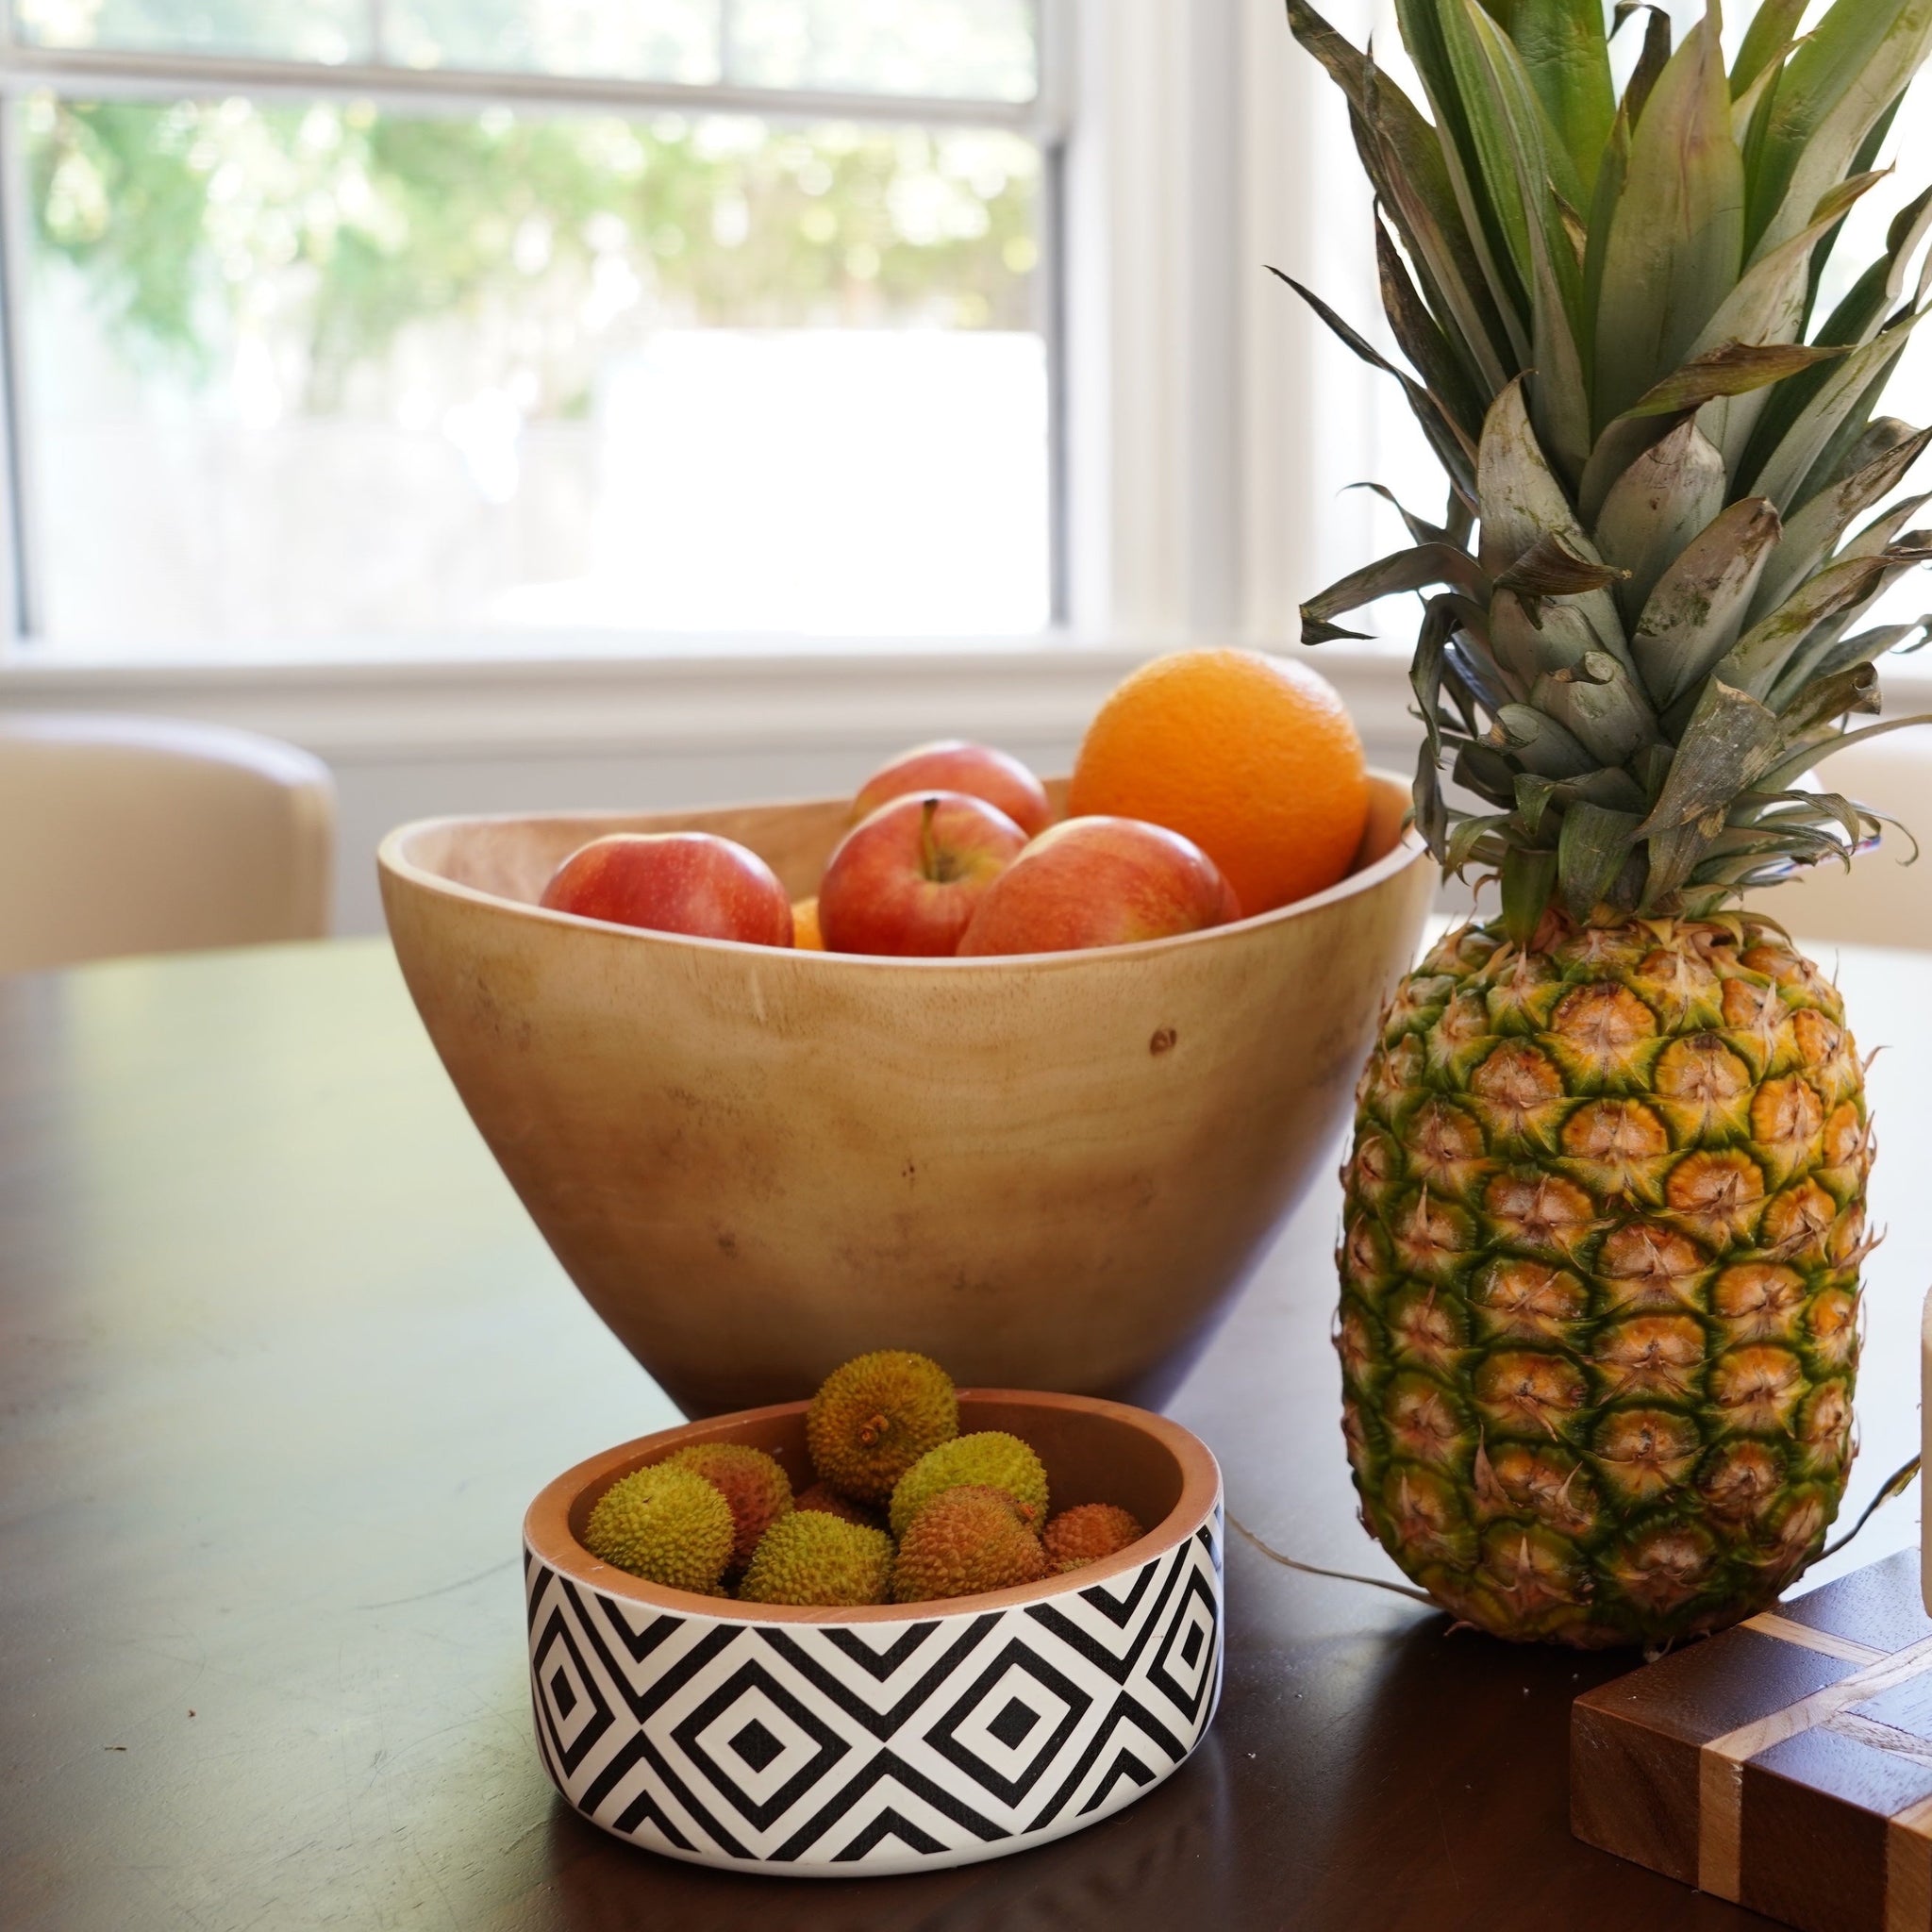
[
  {"x": 1099, "y": 882},
  {"x": 950, "y": 764},
  {"x": 906, "y": 878},
  {"x": 689, "y": 882}
]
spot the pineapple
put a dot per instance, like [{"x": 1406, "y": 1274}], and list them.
[{"x": 1605, "y": 1210}]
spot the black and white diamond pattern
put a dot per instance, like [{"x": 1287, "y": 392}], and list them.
[{"x": 876, "y": 1747}]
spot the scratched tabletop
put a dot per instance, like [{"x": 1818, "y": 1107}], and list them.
[{"x": 282, "y": 1362}]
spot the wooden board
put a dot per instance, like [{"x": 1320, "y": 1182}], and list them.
[{"x": 1786, "y": 1765}]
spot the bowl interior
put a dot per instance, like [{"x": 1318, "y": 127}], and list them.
[
  {"x": 1090, "y": 1458},
  {"x": 1094, "y": 1452},
  {"x": 514, "y": 857}
]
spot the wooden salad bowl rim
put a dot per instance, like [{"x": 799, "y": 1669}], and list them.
[
  {"x": 393, "y": 855},
  {"x": 550, "y": 1537}
]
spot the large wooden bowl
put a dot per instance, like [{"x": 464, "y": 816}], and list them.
[{"x": 1051, "y": 1171}]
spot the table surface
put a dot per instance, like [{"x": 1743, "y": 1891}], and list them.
[{"x": 281, "y": 1362}]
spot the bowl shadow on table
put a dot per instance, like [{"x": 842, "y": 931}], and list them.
[{"x": 1166, "y": 1859}]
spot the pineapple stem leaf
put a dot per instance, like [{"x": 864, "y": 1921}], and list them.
[
  {"x": 1549, "y": 568},
  {"x": 1528, "y": 877},
  {"x": 1652, "y": 59},
  {"x": 1639, "y": 611},
  {"x": 1419, "y": 529},
  {"x": 1772, "y": 28},
  {"x": 1590, "y": 850},
  {"x": 1731, "y": 369}
]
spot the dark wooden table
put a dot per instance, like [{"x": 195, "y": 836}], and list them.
[{"x": 281, "y": 1362}]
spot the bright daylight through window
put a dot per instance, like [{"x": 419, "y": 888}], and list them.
[{"x": 338, "y": 321}]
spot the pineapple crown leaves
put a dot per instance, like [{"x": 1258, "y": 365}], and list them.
[{"x": 1640, "y": 610}]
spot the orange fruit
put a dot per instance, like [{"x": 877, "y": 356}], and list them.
[
  {"x": 1255, "y": 758},
  {"x": 805, "y": 926}
]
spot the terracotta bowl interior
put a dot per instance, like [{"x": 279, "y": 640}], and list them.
[{"x": 1094, "y": 1452}]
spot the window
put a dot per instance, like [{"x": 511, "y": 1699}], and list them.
[{"x": 340, "y": 320}]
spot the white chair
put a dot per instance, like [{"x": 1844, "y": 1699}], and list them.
[
  {"x": 145, "y": 835},
  {"x": 1880, "y": 902}
]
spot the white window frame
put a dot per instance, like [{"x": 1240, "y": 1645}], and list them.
[{"x": 1195, "y": 407}]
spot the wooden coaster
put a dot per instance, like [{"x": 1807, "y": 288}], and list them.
[{"x": 1786, "y": 1765}]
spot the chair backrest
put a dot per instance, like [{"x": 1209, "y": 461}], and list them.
[
  {"x": 1880, "y": 901},
  {"x": 145, "y": 835}
]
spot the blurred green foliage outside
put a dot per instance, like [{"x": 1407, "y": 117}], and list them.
[{"x": 336, "y": 227}]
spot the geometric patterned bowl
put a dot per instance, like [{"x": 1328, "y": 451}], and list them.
[{"x": 838, "y": 1743}]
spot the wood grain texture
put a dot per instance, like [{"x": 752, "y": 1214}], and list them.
[
  {"x": 1726, "y": 1762},
  {"x": 1879, "y": 1605},
  {"x": 1632, "y": 1787},
  {"x": 1908, "y": 1870},
  {"x": 1906, "y": 1708},
  {"x": 1640, "y": 1782},
  {"x": 1789, "y": 1630},
  {"x": 1048, "y": 1172},
  {"x": 1784, "y": 1765},
  {"x": 282, "y": 1362},
  {"x": 1814, "y": 1850}
]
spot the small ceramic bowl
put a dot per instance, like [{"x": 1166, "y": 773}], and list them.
[{"x": 838, "y": 1743}]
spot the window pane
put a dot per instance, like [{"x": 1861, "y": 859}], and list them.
[
  {"x": 627, "y": 39},
  {"x": 331, "y": 30},
  {"x": 966, "y": 49},
  {"x": 330, "y": 373}
]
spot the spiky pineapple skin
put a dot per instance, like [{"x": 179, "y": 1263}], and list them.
[{"x": 1605, "y": 1213}]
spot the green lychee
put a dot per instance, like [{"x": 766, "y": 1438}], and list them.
[
  {"x": 873, "y": 1418},
  {"x": 666, "y": 1525},
  {"x": 990, "y": 1458},
  {"x": 964, "y": 1541},
  {"x": 811, "y": 1557},
  {"x": 754, "y": 1486},
  {"x": 1084, "y": 1535}
]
